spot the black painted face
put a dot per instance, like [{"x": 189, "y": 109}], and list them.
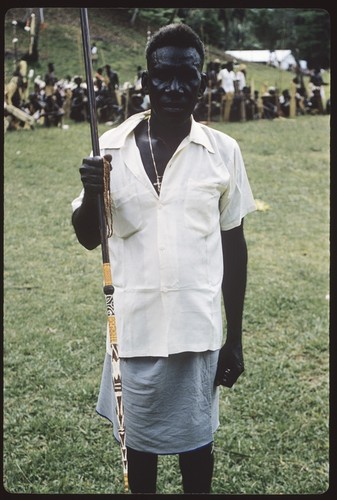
[{"x": 174, "y": 83}]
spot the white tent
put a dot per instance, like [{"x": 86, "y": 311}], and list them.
[
  {"x": 280, "y": 58},
  {"x": 259, "y": 56}
]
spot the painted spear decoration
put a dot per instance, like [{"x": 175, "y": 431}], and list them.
[{"x": 107, "y": 279}]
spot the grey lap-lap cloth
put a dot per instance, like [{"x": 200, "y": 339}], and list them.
[{"x": 170, "y": 403}]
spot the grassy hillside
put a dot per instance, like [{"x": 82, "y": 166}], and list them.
[
  {"x": 60, "y": 41},
  {"x": 119, "y": 44}
]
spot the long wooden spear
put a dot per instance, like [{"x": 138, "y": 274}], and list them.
[{"x": 107, "y": 279}]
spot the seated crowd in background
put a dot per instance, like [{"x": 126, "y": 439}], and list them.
[{"x": 227, "y": 97}]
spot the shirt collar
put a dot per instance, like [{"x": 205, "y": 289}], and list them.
[
  {"x": 197, "y": 133},
  {"x": 121, "y": 132},
  {"x": 199, "y": 136}
]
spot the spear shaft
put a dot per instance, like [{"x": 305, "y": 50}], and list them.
[
  {"x": 107, "y": 279},
  {"x": 93, "y": 124}
]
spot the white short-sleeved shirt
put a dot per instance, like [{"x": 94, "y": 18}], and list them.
[
  {"x": 227, "y": 79},
  {"x": 165, "y": 251}
]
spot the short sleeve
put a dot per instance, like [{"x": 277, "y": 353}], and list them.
[
  {"x": 238, "y": 200},
  {"x": 77, "y": 202}
]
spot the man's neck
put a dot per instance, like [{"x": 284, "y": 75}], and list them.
[{"x": 171, "y": 135}]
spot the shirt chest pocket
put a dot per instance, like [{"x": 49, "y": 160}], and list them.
[
  {"x": 126, "y": 212},
  {"x": 201, "y": 207}
]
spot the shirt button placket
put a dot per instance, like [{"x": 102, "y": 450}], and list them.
[{"x": 161, "y": 244}]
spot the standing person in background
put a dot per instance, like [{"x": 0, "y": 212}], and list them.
[
  {"x": 99, "y": 79},
  {"x": 94, "y": 54},
  {"x": 240, "y": 76},
  {"x": 138, "y": 79},
  {"x": 112, "y": 82},
  {"x": 316, "y": 90},
  {"x": 16, "y": 89},
  {"x": 50, "y": 80},
  {"x": 226, "y": 79},
  {"x": 179, "y": 192}
]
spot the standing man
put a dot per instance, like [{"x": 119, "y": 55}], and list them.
[
  {"x": 94, "y": 54},
  {"x": 112, "y": 82},
  {"x": 226, "y": 77},
  {"x": 240, "y": 77},
  {"x": 50, "y": 80},
  {"x": 179, "y": 194}
]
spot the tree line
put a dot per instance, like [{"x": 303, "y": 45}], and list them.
[{"x": 306, "y": 32}]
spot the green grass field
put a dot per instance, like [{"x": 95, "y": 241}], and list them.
[{"x": 274, "y": 434}]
